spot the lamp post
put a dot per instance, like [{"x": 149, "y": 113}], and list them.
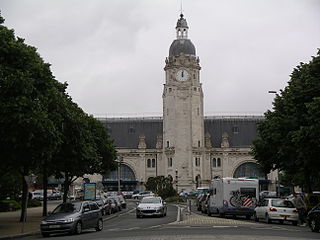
[
  {"x": 176, "y": 179},
  {"x": 119, "y": 161}
]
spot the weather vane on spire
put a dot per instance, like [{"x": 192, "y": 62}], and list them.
[{"x": 181, "y": 8}]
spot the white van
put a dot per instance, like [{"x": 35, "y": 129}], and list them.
[{"x": 233, "y": 196}]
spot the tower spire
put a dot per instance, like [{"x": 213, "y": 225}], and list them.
[{"x": 182, "y": 28}]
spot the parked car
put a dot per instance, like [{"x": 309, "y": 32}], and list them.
[
  {"x": 276, "y": 209},
  {"x": 55, "y": 195},
  {"x": 102, "y": 207},
  {"x": 151, "y": 206},
  {"x": 113, "y": 204},
  {"x": 314, "y": 218},
  {"x": 37, "y": 195},
  {"x": 201, "y": 197},
  {"x": 204, "y": 203},
  {"x": 122, "y": 201},
  {"x": 72, "y": 217},
  {"x": 142, "y": 195},
  {"x": 117, "y": 202}
]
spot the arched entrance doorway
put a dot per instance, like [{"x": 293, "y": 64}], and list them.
[
  {"x": 248, "y": 169},
  {"x": 128, "y": 180}
]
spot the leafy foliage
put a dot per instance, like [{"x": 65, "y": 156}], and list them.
[
  {"x": 42, "y": 130},
  {"x": 161, "y": 185},
  {"x": 289, "y": 136}
]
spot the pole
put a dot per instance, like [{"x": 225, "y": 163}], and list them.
[
  {"x": 156, "y": 164},
  {"x": 119, "y": 177}
]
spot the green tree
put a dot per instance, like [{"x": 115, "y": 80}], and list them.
[
  {"x": 26, "y": 85},
  {"x": 86, "y": 148},
  {"x": 163, "y": 186},
  {"x": 289, "y": 136}
]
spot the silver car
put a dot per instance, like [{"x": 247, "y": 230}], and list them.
[
  {"x": 151, "y": 206},
  {"x": 276, "y": 209},
  {"x": 72, "y": 217}
]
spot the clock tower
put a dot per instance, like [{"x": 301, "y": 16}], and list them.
[{"x": 183, "y": 123}]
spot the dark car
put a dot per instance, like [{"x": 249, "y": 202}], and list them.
[
  {"x": 72, "y": 217},
  {"x": 200, "y": 199},
  {"x": 314, "y": 218},
  {"x": 101, "y": 204},
  {"x": 113, "y": 204}
]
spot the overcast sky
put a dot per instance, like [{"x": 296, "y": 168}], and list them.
[{"x": 112, "y": 52}]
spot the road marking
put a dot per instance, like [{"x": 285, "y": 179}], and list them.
[
  {"x": 217, "y": 226},
  {"x": 113, "y": 229},
  {"x": 133, "y": 228}
]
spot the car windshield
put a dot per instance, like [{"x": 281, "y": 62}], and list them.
[
  {"x": 67, "y": 208},
  {"x": 150, "y": 200},
  {"x": 282, "y": 203}
]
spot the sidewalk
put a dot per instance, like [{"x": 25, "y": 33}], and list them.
[{"x": 10, "y": 227}]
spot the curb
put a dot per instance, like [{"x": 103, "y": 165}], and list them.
[{"x": 21, "y": 235}]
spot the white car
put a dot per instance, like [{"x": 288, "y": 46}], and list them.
[
  {"x": 151, "y": 206},
  {"x": 276, "y": 209},
  {"x": 142, "y": 195}
]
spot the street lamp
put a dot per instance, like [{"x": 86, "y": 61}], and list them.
[
  {"x": 119, "y": 161},
  {"x": 176, "y": 179}
]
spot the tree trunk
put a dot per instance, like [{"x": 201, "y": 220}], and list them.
[
  {"x": 66, "y": 186},
  {"x": 24, "y": 199},
  {"x": 45, "y": 193}
]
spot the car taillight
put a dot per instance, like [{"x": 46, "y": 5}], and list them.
[
  {"x": 225, "y": 203},
  {"x": 273, "y": 209}
]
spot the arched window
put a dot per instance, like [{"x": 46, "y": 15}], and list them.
[
  {"x": 248, "y": 169},
  {"x": 170, "y": 162},
  {"x": 218, "y": 162},
  {"x": 214, "y": 162},
  {"x": 149, "y": 163},
  {"x": 153, "y": 163}
]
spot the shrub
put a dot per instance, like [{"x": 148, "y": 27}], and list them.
[
  {"x": 34, "y": 203},
  {"x": 176, "y": 199},
  {"x": 9, "y": 205}
]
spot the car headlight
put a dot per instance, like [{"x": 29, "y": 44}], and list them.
[
  {"x": 68, "y": 220},
  {"x": 43, "y": 222}
]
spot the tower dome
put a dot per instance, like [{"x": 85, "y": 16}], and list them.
[{"x": 182, "y": 45}]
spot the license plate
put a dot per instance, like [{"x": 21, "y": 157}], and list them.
[{"x": 54, "y": 226}]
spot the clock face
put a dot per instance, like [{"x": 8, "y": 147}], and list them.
[{"x": 182, "y": 75}]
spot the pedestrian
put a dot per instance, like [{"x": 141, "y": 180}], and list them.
[{"x": 301, "y": 207}]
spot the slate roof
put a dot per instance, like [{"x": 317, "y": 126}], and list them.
[{"x": 125, "y": 132}]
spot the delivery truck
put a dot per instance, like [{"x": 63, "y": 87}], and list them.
[{"x": 233, "y": 196}]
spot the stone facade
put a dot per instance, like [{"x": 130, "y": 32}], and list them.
[{"x": 184, "y": 144}]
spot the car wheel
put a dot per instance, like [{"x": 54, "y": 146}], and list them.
[
  {"x": 222, "y": 215},
  {"x": 78, "y": 228},
  {"x": 248, "y": 217},
  {"x": 294, "y": 223},
  {"x": 268, "y": 220},
  {"x": 281, "y": 221},
  {"x": 209, "y": 213},
  {"x": 99, "y": 226},
  {"x": 256, "y": 217},
  {"x": 314, "y": 226},
  {"x": 45, "y": 234}
]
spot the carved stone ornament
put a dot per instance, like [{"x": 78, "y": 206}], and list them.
[
  {"x": 207, "y": 140},
  {"x": 225, "y": 140},
  {"x": 142, "y": 142}
]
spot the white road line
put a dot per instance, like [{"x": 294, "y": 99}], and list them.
[
  {"x": 113, "y": 229},
  {"x": 217, "y": 226},
  {"x": 133, "y": 228}
]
